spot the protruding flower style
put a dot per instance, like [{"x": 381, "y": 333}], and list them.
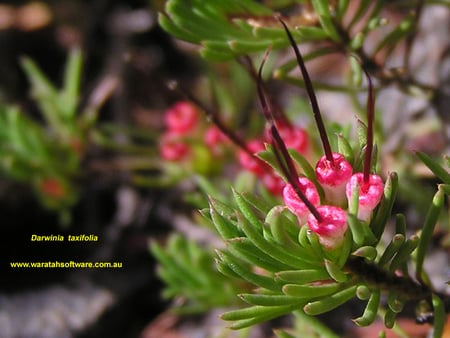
[
  {"x": 333, "y": 176},
  {"x": 331, "y": 228},
  {"x": 182, "y": 117},
  {"x": 369, "y": 193},
  {"x": 251, "y": 163},
  {"x": 172, "y": 148},
  {"x": 295, "y": 204}
]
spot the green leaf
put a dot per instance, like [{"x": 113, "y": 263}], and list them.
[
  {"x": 311, "y": 291},
  {"x": 404, "y": 252},
  {"x": 308, "y": 170},
  {"x": 309, "y": 33},
  {"x": 439, "y": 316},
  {"x": 245, "y": 273},
  {"x": 270, "y": 300},
  {"x": 169, "y": 26},
  {"x": 246, "y": 251},
  {"x": 371, "y": 310},
  {"x": 70, "y": 93},
  {"x": 256, "y": 314},
  {"x": 356, "y": 228},
  {"x": 224, "y": 226},
  {"x": 284, "y": 230},
  {"x": 257, "y": 202},
  {"x": 363, "y": 292},
  {"x": 321, "y": 7},
  {"x": 391, "y": 250},
  {"x": 389, "y": 318},
  {"x": 345, "y": 148},
  {"x": 360, "y": 12},
  {"x": 435, "y": 167},
  {"x": 394, "y": 302},
  {"x": 331, "y": 302},
  {"x": 44, "y": 92},
  {"x": 384, "y": 210},
  {"x": 367, "y": 252},
  {"x": 342, "y": 8},
  {"x": 428, "y": 230},
  {"x": 302, "y": 276},
  {"x": 335, "y": 272},
  {"x": 246, "y": 210},
  {"x": 401, "y": 31},
  {"x": 272, "y": 250}
]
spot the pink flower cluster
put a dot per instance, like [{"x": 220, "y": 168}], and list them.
[
  {"x": 295, "y": 138},
  {"x": 183, "y": 128},
  {"x": 339, "y": 183}
]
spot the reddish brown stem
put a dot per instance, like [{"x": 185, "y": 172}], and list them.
[
  {"x": 277, "y": 112},
  {"x": 312, "y": 96},
  {"x": 370, "y": 118}
]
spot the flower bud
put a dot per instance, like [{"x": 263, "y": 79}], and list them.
[
  {"x": 249, "y": 162},
  {"x": 294, "y": 137},
  {"x": 182, "y": 117},
  {"x": 215, "y": 140},
  {"x": 333, "y": 176},
  {"x": 331, "y": 228},
  {"x": 295, "y": 204},
  {"x": 369, "y": 193},
  {"x": 172, "y": 148},
  {"x": 273, "y": 183}
]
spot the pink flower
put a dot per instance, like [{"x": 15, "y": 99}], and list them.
[
  {"x": 369, "y": 193},
  {"x": 172, "y": 148},
  {"x": 333, "y": 176},
  {"x": 182, "y": 117},
  {"x": 249, "y": 162},
  {"x": 295, "y": 204},
  {"x": 215, "y": 140},
  {"x": 331, "y": 228},
  {"x": 273, "y": 183},
  {"x": 295, "y": 138}
]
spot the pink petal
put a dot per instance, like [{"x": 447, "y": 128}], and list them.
[
  {"x": 333, "y": 174},
  {"x": 295, "y": 204},
  {"x": 182, "y": 117},
  {"x": 250, "y": 163}
]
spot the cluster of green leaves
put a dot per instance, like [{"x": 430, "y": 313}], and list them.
[
  {"x": 47, "y": 155},
  {"x": 200, "y": 288},
  {"x": 230, "y": 28}
]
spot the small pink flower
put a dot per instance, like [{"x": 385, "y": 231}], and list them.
[
  {"x": 333, "y": 176},
  {"x": 295, "y": 204},
  {"x": 369, "y": 193},
  {"x": 172, "y": 148},
  {"x": 273, "y": 183},
  {"x": 215, "y": 140},
  {"x": 331, "y": 228},
  {"x": 182, "y": 117},
  {"x": 294, "y": 137},
  {"x": 250, "y": 163}
]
